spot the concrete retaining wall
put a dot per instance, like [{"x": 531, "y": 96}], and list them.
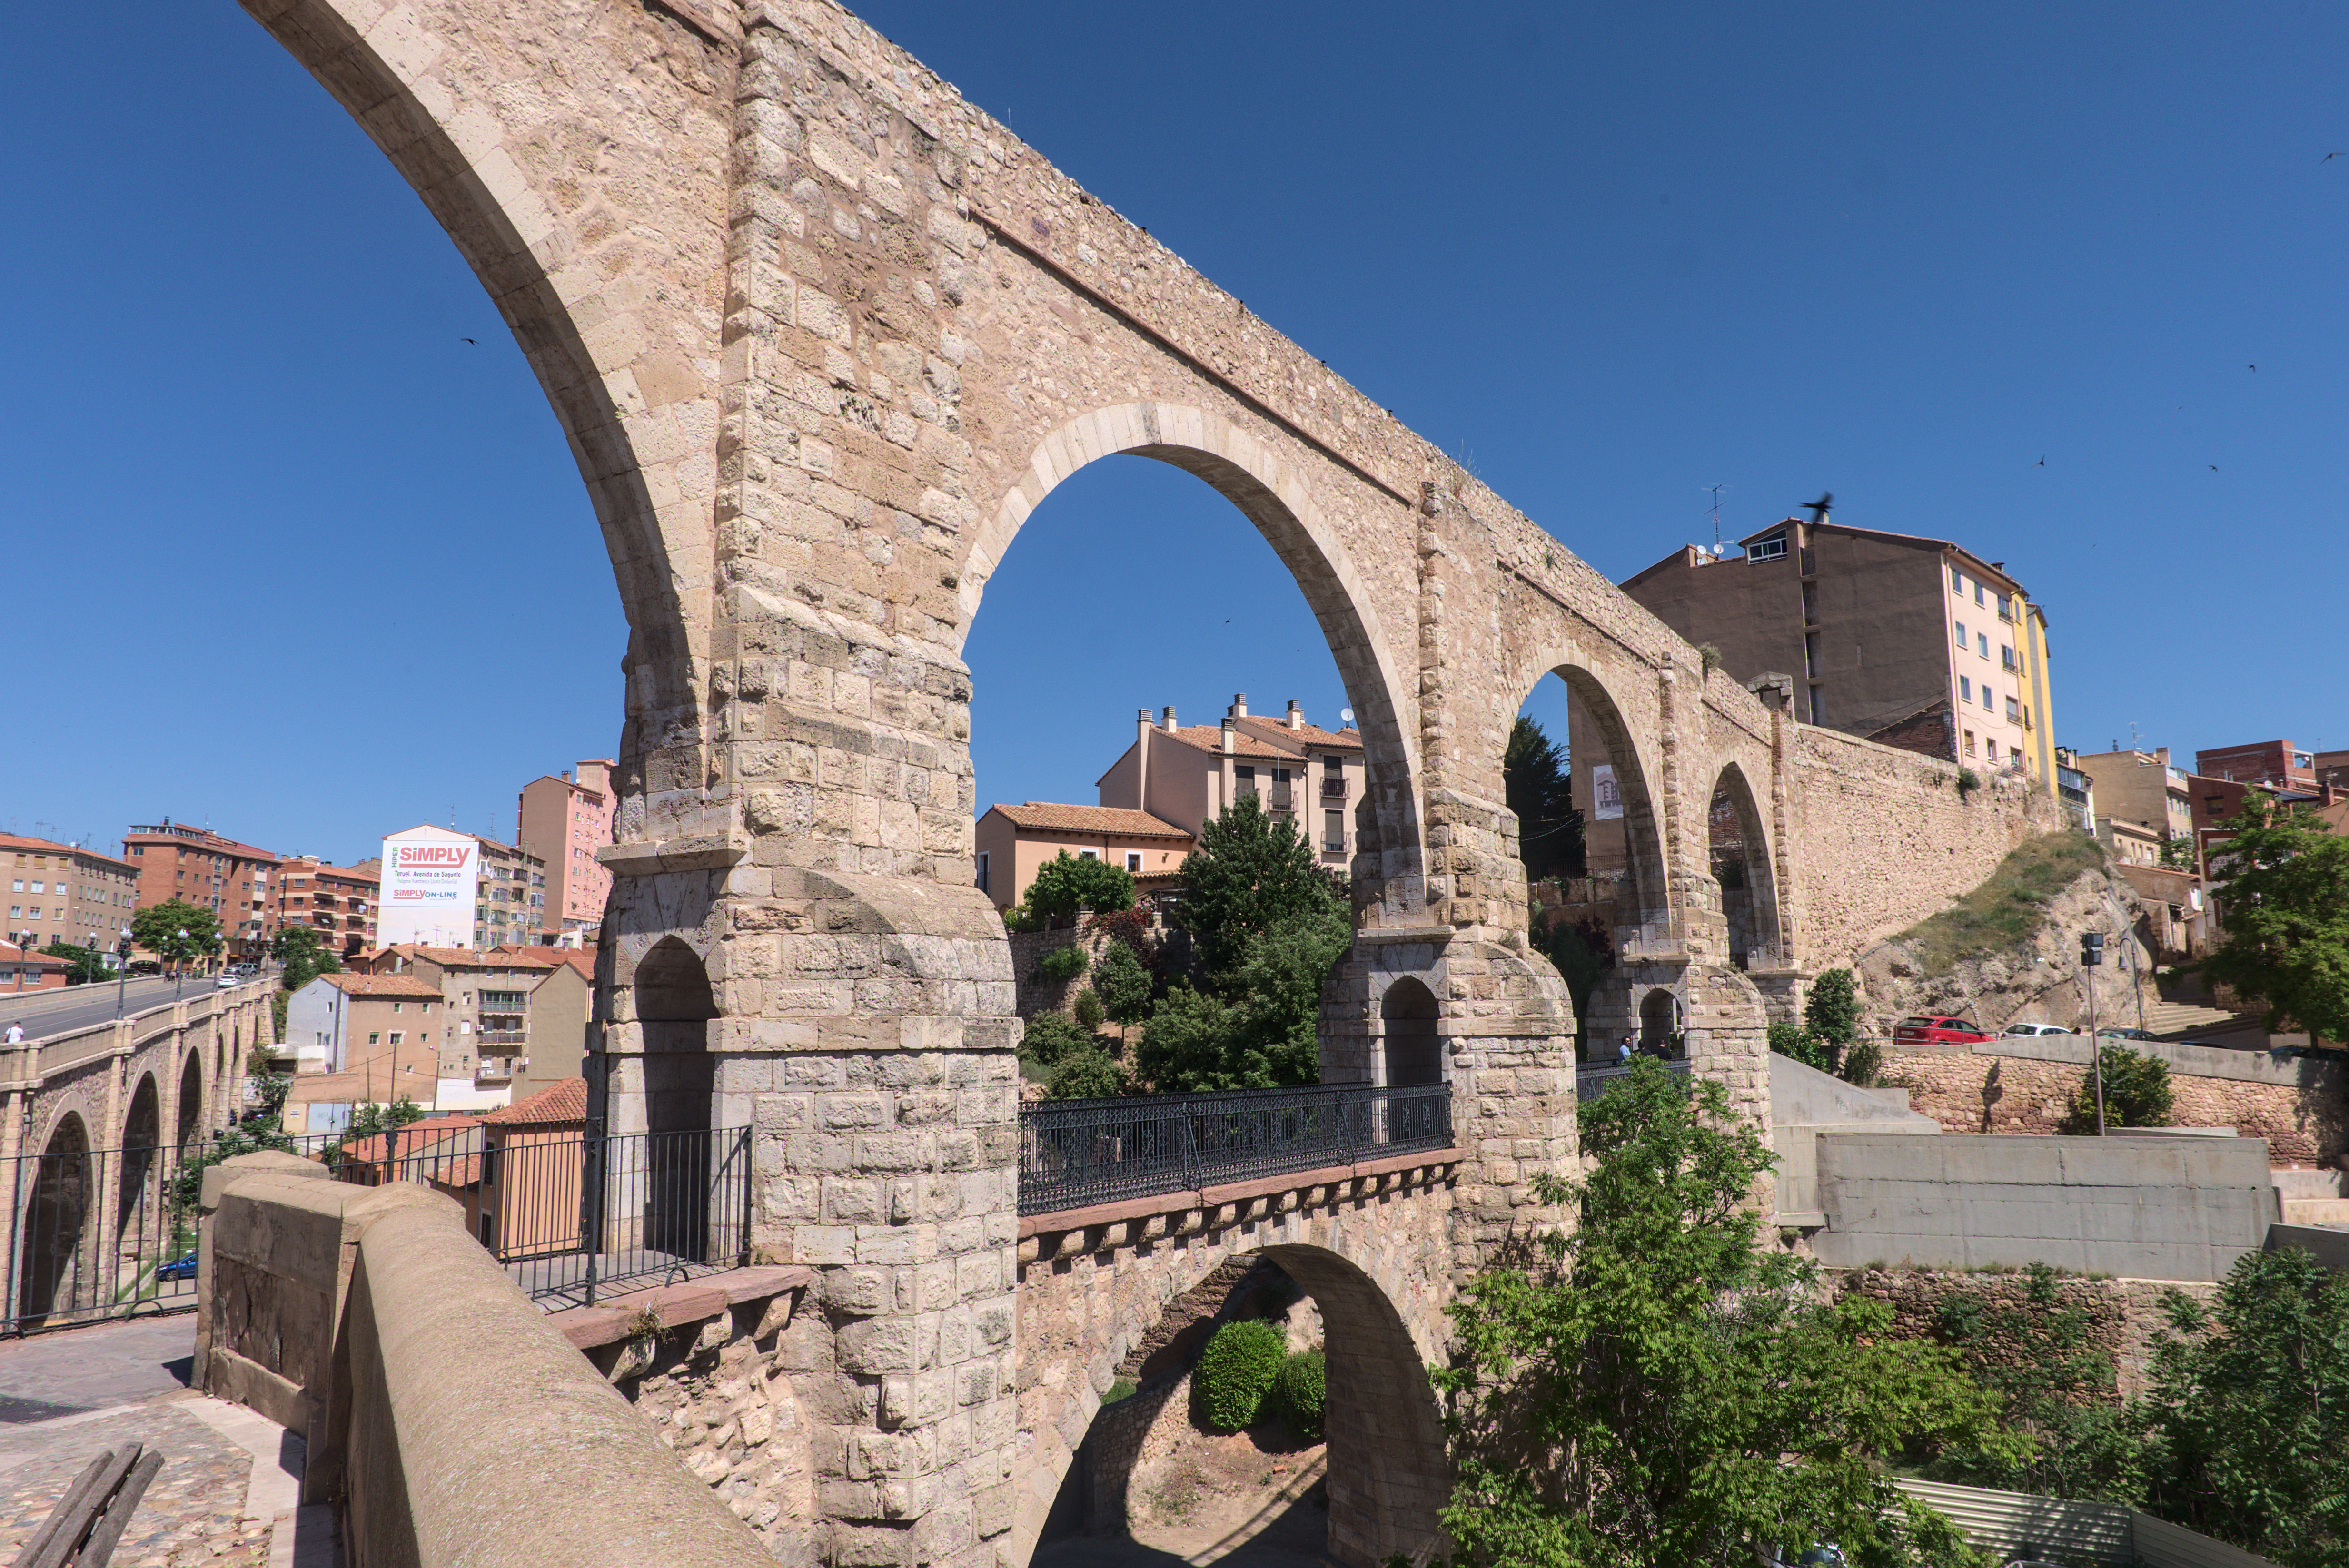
[
  {"x": 456, "y": 1426},
  {"x": 2144, "y": 1208}
]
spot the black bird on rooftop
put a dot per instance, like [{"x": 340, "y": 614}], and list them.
[{"x": 1818, "y": 509}]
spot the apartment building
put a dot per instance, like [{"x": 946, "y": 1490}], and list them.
[
  {"x": 564, "y": 820},
  {"x": 339, "y": 903},
  {"x": 201, "y": 867},
  {"x": 62, "y": 892},
  {"x": 22, "y": 970},
  {"x": 1158, "y": 796},
  {"x": 511, "y": 899},
  {"x": 357, "y": 1022},
  {"x": 2144, "y": 788},
  {"x": 498, "y": 1007},
  {"x": 1914, "y": 642}
]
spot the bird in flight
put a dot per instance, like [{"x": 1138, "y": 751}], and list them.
[
  {"x": 2250, "y": 367},
  {"x": 2041, "y": 463},
  {"x": 2331, "y": 156},
  {"x": 1818, "y": 509},
  {"x": 468, "y": 340},
  {"x": 2214, "y": 468}
]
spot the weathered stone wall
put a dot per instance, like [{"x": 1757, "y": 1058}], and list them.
[
  {"x": 1886, "y": 840},
  {"x": 2122, "y": 1315},
  {"x": 2301, "y": 1108}
]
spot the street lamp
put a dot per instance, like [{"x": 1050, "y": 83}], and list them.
[
  {"x": 180, "y": 951},
  {"x": 122, "y": 973},
  {"x": 23, "y": 951}
]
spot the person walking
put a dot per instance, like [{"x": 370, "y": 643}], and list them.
[
  {"x": 15, "y": 1033},
  {"x": 1623, "y": 1053}
]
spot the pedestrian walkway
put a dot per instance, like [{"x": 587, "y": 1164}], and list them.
[{"x": 228, "y": 1494}]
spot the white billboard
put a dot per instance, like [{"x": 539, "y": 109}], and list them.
[{"x": 428, "y": 879}]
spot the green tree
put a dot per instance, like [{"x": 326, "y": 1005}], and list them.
[
  {"x": 1266, "y": 925},
  {"x": 1086, "y": 1073},
  {"x": 1581, "y": 956},
  {"x": 258, "y": 1128},
  {"x": 1831, "y": 1014},
  {"x": 1051, "y": 1036},
  {"x": 2283, "y": 899},
  {"x": 1539, "y": 787},
  {"x": 1666, "y": 1391},
  {"x": 2137, "y": 1091},
  {"x": 304, "y": 957},
  {"x": 1252, "y": 872},
  {"x": 1067, "y": 884},
  {"x": 2251, "y": 1407},
  {"x": 89, "y": 963},
  {"x": 1124, "y": 983},
  {"x": 1798, "y": 1044},
  {"x": 158, "y": 929}
]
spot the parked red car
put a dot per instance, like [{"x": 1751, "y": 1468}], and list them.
[{"x": 1938, "y": 1030}]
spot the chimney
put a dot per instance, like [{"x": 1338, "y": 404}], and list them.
[
  {"x": 1170, "y": 718},
  {"x": 1296, "y": 715},
  {"x": 1228, "y": 734},
  {"x": 1239, "y": 704},
  {"x": 1141, "y": 759}
]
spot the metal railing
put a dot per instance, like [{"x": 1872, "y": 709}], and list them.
[
  {"x": 94, "y": 1233},
  {"x": 1074, "y": 1154}
]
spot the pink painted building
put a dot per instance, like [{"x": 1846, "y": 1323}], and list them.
[{"x": 564, "y": 821}]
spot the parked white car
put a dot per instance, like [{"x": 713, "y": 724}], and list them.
[{"x": 2037, "y": 1029}]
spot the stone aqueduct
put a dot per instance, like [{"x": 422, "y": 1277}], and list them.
[{"x": 822, "y": 336}]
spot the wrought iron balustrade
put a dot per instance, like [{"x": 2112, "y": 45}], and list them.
[{"x": 1074, "y": 1154}]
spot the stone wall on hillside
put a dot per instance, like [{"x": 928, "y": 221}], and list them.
[
  {"x": 1887, "y": 839},
  {"x": 2301, "y": 1106},
  {"x": 2123, "y": 1314}
]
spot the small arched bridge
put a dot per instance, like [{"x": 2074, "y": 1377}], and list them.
[{"x": 823, "y": 335}]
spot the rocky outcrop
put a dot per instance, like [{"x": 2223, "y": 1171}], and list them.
[{"x": 2040, "y": 981}]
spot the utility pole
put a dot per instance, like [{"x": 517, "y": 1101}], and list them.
[{"x": 2091, "y": 953}]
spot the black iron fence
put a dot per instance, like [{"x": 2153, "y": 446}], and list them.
[
  {"x": 94, "y": 1233},
  {"x": 1076, "y": 1153}
]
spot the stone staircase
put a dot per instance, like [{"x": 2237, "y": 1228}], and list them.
[{"x": 2178, "y": 1020}]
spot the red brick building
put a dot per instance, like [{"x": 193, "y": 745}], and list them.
[
  {"x": 336, "y": 902},
  {"x": 197, "y": 866}
]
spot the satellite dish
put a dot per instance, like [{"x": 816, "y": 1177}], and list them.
[{"x": 1345, "y": 715}]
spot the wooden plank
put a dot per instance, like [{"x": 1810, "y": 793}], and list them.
[
  {"x": 71, "y": 1530},
  {"x": 103, "y": 1539},
  {"x": 64, "y": 1506}
]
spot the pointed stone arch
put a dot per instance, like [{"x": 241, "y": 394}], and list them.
[{"x": 1744, "y": 863}]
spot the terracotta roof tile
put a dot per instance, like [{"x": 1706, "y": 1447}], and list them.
[
  {"x": 355, "y": 985},
  {"x": 1047, "y": 816},
  {"x": 557, "y": 1102},
  {"x": 1210, "y": 737},
  {"x": 51, "y": 846},
  {"x": 1276, "y": 731},
  {"x": 458, "y": 957}
]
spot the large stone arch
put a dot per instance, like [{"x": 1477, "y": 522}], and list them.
[
  {"x": 194, "y": 1123},
  {"x": 1375, "y": 1271},
  {"x": 138, "y": 1202},
  {"x": 1252, "y": 475},
  {"x": 1740, "y": 837},
  {"x": 57, "y": 1268}
]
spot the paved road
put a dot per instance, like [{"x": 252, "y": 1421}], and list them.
[{"x": 46, "y": 1012}]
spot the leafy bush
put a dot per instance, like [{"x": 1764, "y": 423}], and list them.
[
  {"x": 1798, "y": 1044},
  {"x": 1051, "y": 1036},
  {"x": 1085, "y": 1074},
  {"x": 1831, "y": 1011},
  {"x": 2137, "y": 1092},
  {"x": 1068, "y": 884},
  {"x": 1088, "y": 1010},
  {"x": 1862, "y": 1062},
  {"x": 1300, "y": 1391},
  {"x": 1968, "y": 782},
  {"x": 1124, "y": 983},
  {"x": 1235, "y": 1374},
  {"x": 1063, "y": 963}
]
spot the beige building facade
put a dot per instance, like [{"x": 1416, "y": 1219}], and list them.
[
  {"x": 564, "y": 821},
  {"x": 1914, "y": 642},
  {"x": 62, "y": 892},
  {"x": 1309, "y": 777},
  {"x": 1014, "y": 842},
  {"x": 2144, "y": 788}
]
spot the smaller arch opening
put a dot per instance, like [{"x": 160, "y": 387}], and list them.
[
  {"x": 137, "y": 1210},
  {"x": 192, "y": 1104},
  {"x": 54, "y": 1267},
  {"x": 1659, "y": 1023},
  {"x": 1414, "y": 1051},
  {"x": 674, "y": 1006},
  {"x": 1738, "y": 855}
]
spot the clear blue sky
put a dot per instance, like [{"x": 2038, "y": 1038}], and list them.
[{"x": 282, "y": 553}]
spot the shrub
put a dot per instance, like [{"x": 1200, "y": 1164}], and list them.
[
  {"x": 1124, "y": 983},
  {"x": 2137, "y": 1092},
  {"x": 1798, "y": 1044},
  {"x": 1088, "y": 1010},
  {"x": 1051, "y": 1036},
  {"x": 1067, "y": 884},
  {"x": 1085, "y": 1074},
  {"x": 1236, "y": 1373},
  {"x": 1861, "y": 1063},
  {"x": 1831, "y": 1011},
  {"x": 1063, "y": 963},
  {"x": 1968, "y": 782},
  {"x": 1299, "y": 1391}
]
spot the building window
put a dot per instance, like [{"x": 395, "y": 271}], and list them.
[
  {"x": 1333, "y": 829},
  {"x": 2005, "y": 608},
  {"x": 982, "y": 871},
  {"x": 2014, "y": 712},
  {"x": 2005, "y": 657},
  {"x": 1989, "y": 702},
  {"x": 399, "y": 1036},
  {"x": 1978, "y": 592},
  {"x": 1965, "y": 688},
  {"x": 1245, "y": 780},
  {"x": 1957, "y": 581},
  {"x": 1962, "y": 633},
  {"x": 397, "y": 1006},
  {"x": 1771, "y": 549},
  {"x": 1819, "y": 706},
  {"x": 374, "y": 1040},
  {"x": 1133, "y": 862},
  {"x": 1969, "y": 743},
  {"x": 1982, "y": 644}
]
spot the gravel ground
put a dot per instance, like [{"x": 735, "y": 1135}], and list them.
[{"x": 191, "y": 1513}]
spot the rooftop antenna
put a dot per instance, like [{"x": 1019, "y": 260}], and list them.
[
  {"x": 2135, "y": 744},
  {"x": 1716, "y": 491}
]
